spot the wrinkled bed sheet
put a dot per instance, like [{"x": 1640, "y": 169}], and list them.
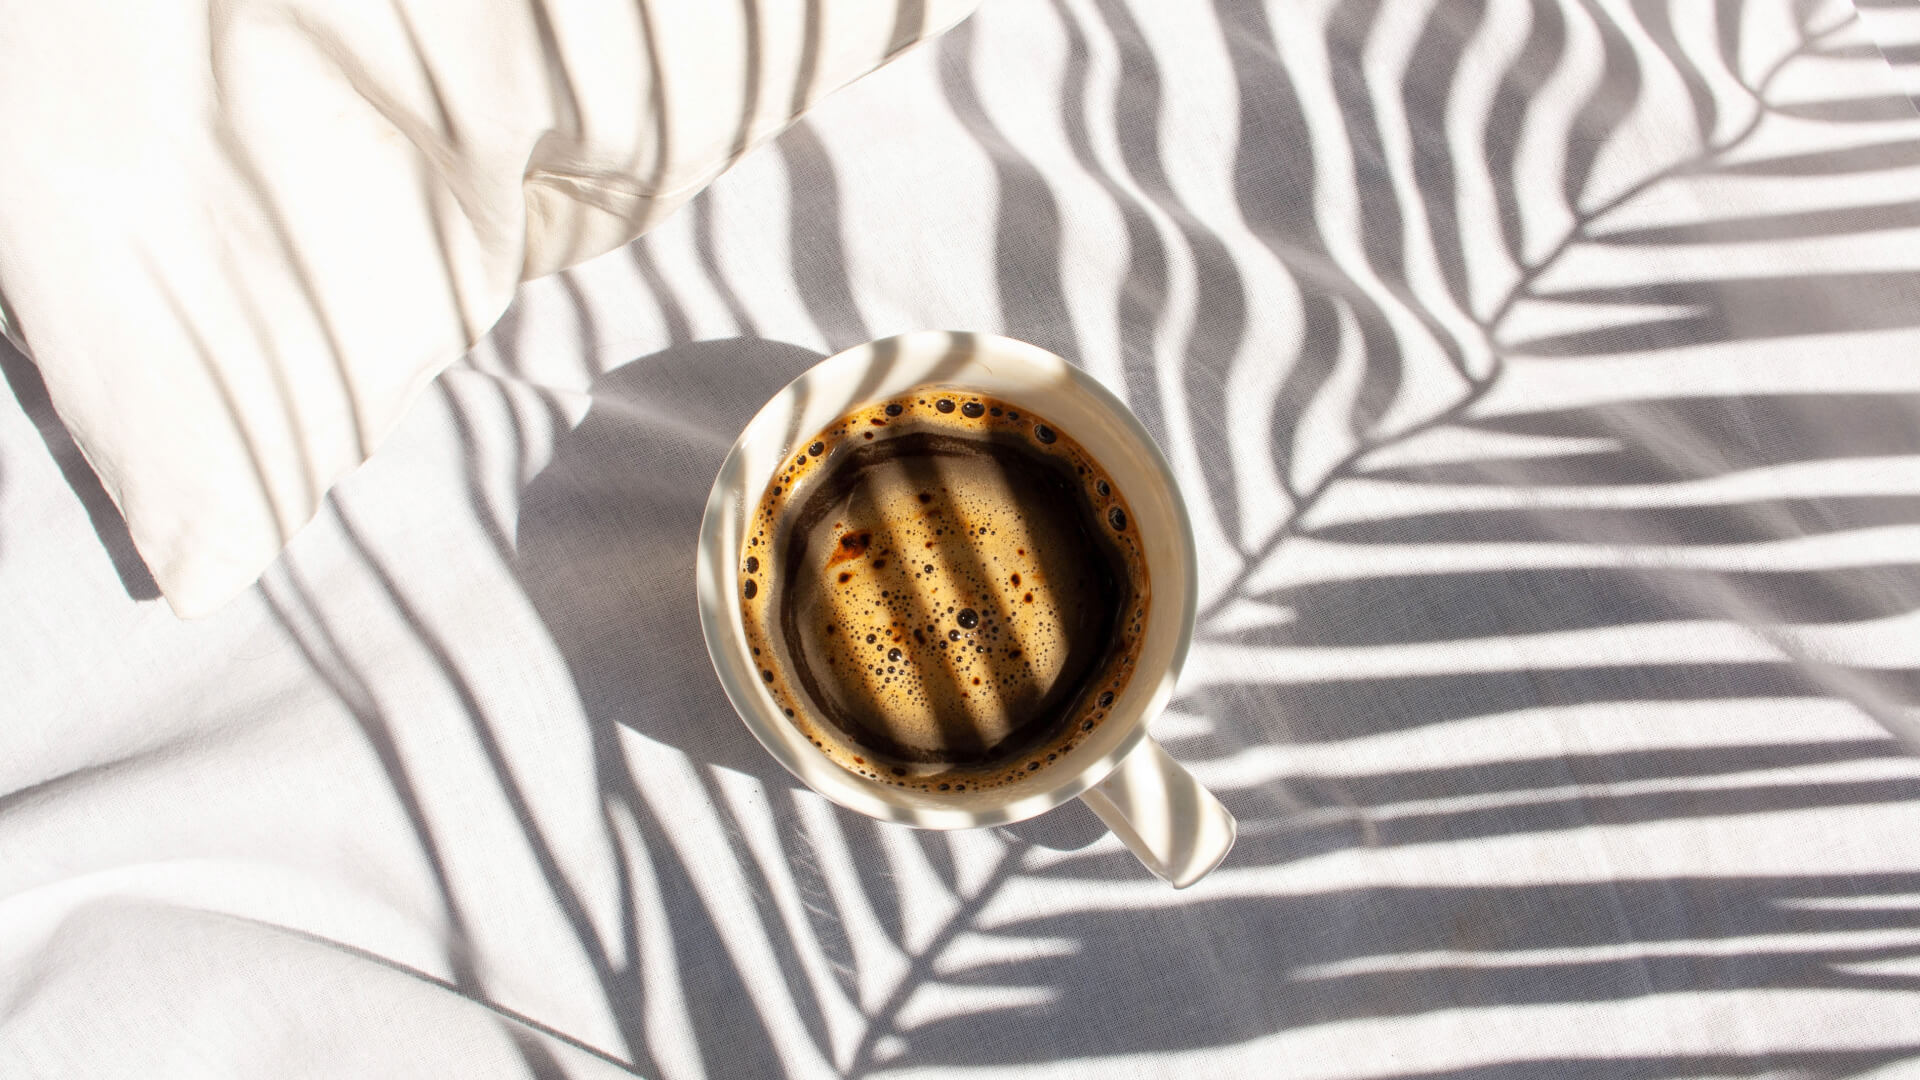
[{"x": 1544, "y": 380}]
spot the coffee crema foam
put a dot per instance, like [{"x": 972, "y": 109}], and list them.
[{"x": 943, "y": 591}]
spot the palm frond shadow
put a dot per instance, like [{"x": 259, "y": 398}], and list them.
[
  {"x": 611, "y": 582},
  {"x": 1653, "y": 1067},
  {"x": 1389, "y": 951},
  {"x": 1439, "y": 607},
  {"x": 1722, "y": 435},
  {"x": 1565, "y": 794},
  {"x": 1303, "y": 814}
]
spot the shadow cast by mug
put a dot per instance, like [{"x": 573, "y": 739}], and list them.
[{"x": 613, "y": 583}]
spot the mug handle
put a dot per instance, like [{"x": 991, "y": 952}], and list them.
[{"x": 1175, "y": 827}]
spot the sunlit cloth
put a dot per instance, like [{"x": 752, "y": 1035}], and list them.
[{"x": 1541, "y": 377}]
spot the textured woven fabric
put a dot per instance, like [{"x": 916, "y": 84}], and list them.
[{"x": 1542, "y": 378}]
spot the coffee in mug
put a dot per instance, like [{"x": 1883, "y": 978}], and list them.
[{"x": 943, "y": 591}]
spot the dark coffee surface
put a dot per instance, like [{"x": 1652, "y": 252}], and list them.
[
  {"x": 948, "y": 591},
  {"x": 947, "y": 598}
]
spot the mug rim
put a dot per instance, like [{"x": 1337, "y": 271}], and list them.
[{"x": 722, "y": 627}]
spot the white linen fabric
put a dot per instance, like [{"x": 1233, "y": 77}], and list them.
[
  {"x": 239, "y": 236},
  {"x": 1541, "y": 375}
]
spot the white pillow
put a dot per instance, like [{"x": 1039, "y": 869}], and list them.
[{"x": 239, "y": 236}]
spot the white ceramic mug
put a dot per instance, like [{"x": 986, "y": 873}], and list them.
[{"x": 1172, "y": 824}]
